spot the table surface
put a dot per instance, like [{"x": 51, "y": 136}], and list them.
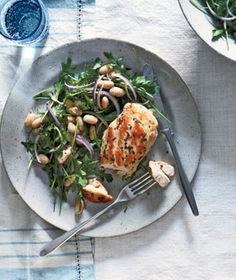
[{"x": 178, "y": 246}]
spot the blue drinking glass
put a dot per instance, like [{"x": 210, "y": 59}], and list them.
[{"x": 23, "y": 21}]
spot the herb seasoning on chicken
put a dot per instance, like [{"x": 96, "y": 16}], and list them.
[{"x": 128, "y": 139}]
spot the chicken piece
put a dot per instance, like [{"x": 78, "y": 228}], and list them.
[
  {"x": 161, "y": 171},
  {"x": 96, "y": 192},
  {"x": 168, "y": 169},
  {"x": 128, "y": 139}
]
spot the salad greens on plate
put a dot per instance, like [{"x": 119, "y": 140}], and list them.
[
  {"x": 66, "y": 128},
  {"x": 223, "y": 13}
]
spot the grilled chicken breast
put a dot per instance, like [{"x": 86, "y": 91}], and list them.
[{"x": 128, "y": 139}]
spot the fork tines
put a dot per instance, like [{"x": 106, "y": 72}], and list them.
[{"x": 141, "y": 184}]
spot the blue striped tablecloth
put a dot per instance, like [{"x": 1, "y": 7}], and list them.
[{"x": 22, "y": 232}]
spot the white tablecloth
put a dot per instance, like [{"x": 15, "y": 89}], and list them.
[{"x": 179, "y": 246}]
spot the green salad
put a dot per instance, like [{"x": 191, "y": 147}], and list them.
[
  {"x": 66, "y": 128},
  {"x": 223, "y": 13}
]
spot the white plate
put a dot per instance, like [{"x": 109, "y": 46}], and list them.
[
  {"x": 202, "y": 24},
  {"x": 33, "y": 186}
]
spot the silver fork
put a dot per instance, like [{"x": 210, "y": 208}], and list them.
[{"x": 129, "y": 192}]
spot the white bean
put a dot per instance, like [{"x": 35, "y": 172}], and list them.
[
  {"x": 29, "y": 119},
  {"x": 105, "y": 84},
  {"x": 80, "y": 123},
  {"x": 69, "y": 103},
  {"x": 71, "y": 127},
  {"x": 37, "y": 122},
  {"x": 105, "y": 102},
  {"x": 74, "y": 111},
  {"x": 90, "y": 119},
  {"x": 43, "y": 159},
  {"x": 71, "y": 119},
  {"x": 92, "y": 132},
  {"x": 117, "y": 91},
  {"x": 113, "y": 75},
  {"x": 105, "y": 69}
]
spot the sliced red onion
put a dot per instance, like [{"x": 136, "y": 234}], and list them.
[
  {"x": 86, "y": 143},
  {"x": 54, "y": 116},
  {"x": 127, "y": 82},
  {"x": 113, "y": 100},
  {"x": 77, "y": 87},
  {"x": 95, "y": 87},
  {"x": 228, "y": 9},
  {"x": 35, "y": 148}
]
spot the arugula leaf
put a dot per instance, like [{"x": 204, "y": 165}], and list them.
[
  {"x": 217, "y": 33},
  {"x": 29, "y": 145},
  {"x": 116, "y": 63},
  {"x": 82, "y": 181},
  {"x": 67, "y": 67},
  {"x": 148, "y": 86},
  {"x": 97, "y": 64}
]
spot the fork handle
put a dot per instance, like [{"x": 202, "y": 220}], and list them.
[
  {"x": 183, "y": 178},
  {"x": 54, "y": 244}
]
